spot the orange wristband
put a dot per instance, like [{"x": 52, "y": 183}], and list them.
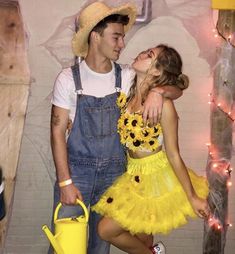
[{"x": 65, "y": 183}]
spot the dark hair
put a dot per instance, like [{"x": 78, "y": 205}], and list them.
[{"x": 115, "y": 18}]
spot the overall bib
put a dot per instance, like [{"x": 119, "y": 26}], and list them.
[{"x": 96, "y": 157}]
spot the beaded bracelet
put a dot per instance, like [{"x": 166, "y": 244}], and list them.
[{"x": 65, "y": 183}]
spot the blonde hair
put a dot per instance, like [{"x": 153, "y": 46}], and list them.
[{"x": 169, "y": 63}]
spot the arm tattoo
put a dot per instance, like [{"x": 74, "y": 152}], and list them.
[{"x": 55, "y": 119}]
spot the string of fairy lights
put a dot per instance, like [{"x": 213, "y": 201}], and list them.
[
  {"x": 219, "y": 106},
  {"x": 220, "y": 166}
]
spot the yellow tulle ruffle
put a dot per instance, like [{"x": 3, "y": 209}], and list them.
[{"x": 148, "y": 198}]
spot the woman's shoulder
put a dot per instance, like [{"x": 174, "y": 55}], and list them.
[
  {"x": 168, "y": 108},
  {"x": 168, "y": 102}
]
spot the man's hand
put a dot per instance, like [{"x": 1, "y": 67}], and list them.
[
  {"x": 69, "y": 194},
  {"x": 153, "y": 108}
]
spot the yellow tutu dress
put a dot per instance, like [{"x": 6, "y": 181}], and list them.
[{"x": 148, "y": 198}]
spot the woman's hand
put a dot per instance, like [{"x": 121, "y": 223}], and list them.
[{"x": 200, "y": 207}]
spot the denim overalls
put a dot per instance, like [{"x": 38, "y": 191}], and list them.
[{"x": 96, "y": 157}]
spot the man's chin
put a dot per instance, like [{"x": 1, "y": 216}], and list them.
[{"x": 115, "y": 57}]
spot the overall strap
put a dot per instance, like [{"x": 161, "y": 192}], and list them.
[
  {"x": 76, "y": 77},
  {"x": 118, "y": 77}
]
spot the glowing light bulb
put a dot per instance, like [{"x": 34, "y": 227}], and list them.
[{"x": 229, "y": 183}]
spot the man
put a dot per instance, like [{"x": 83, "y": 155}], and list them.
[{"x": 91, "y": 158}]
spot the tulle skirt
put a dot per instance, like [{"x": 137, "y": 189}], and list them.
[{"x": 149, "y": 198}]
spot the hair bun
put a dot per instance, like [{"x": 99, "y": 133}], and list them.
[{"x": 183, "y": 81}]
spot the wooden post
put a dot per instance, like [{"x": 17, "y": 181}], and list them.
[
  {"x": 14, "y": 90},
  {"x": 220, "y": 149}
]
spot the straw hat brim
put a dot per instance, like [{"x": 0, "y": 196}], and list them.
[{"x": 80, "y": 39}]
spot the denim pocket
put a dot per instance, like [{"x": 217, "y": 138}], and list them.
[{"x": 100, "y": 122}]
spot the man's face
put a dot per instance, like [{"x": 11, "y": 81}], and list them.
[{"x": 111, "y": 42}]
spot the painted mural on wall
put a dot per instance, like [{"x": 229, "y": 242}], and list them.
[{"x": 164, "y": 20}]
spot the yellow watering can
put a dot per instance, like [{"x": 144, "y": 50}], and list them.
[{"x": 70, "y": 233}]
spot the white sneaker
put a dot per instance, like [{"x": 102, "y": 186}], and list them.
[{"x": 158, "y": 248}]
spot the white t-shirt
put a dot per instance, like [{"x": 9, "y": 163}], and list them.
[{"x": 93, "y": 83}]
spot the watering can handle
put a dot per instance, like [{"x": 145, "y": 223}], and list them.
[{"x": 78, "y": 202}]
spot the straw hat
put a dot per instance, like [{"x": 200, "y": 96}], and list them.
[{"x": 91, "y": 16}]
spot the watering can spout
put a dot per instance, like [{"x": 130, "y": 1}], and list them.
[{"x": 52, "y": 240}]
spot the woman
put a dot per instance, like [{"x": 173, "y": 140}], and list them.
[{"x": 157, "y": 192}]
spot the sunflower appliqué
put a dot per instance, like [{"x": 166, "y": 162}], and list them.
[
  {"x": 136, "y": 136},
  {"x": 121, "y": 100}
]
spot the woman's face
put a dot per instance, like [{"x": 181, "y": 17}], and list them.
[{"x": 144, "y": 60}]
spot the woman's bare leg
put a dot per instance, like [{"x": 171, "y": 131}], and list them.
[
  {"x": 147, "y": 240},
  {"x": 110, "y": 231}
]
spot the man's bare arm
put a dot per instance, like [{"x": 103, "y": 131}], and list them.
[
  {"x": 59, "y": 123},
  {"x": 170, "y": 92}
]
